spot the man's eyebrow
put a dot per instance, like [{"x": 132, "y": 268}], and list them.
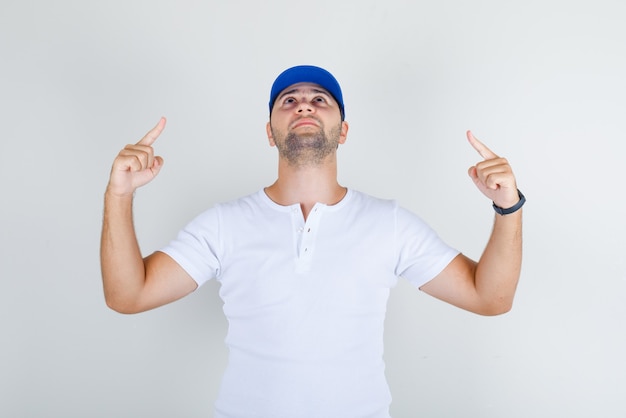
[{"x": 323, "y": 91}]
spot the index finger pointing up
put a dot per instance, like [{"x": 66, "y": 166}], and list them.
[
  {"x": 482, "y": 149},
  {"x": 153, "y": 134}
]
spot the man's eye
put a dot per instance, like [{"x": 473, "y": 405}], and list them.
[
  {"x": 289, "y": 100},
  {"x": 319, "y": 99}
]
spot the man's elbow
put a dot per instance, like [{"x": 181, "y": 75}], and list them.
[
  {"x": 121, "y": 306},
  {"x": 496, "y": 308}
]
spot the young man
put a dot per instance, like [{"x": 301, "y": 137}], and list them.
[{"x": 306, "y": 265}]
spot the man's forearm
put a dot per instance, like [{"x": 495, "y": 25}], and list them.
[
  {"x": 498, "y": 270},
  {"x": 122, "y": 265}
]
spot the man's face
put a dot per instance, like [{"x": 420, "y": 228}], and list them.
[{"x": 305, "y": 124}]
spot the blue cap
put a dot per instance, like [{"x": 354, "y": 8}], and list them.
[{"x": 307, "y": 74}]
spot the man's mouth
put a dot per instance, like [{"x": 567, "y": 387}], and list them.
[{"x": 305, "y": 122}]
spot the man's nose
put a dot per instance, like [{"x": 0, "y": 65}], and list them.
[{"x": 305, "y": 107}]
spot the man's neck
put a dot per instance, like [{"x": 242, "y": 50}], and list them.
[{"x": 306, "y": 186}]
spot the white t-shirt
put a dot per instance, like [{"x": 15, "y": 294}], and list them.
[{"x": 306, "y": 301}]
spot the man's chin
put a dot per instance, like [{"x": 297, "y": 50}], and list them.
[{"x": 309, "y": 139}]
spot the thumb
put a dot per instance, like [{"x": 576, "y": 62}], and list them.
[
  {"x": 472, "y": 172},
  {"x": 157, "y": 165}
]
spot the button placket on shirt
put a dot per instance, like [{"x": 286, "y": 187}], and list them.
[{"x": 306, "y": 233}]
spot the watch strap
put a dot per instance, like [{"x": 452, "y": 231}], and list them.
[{"x": 512, "y": 209}]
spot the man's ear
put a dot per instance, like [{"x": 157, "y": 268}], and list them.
[
  {"x": 270, "y": 136},
  {"x": 344, "y": 132}
]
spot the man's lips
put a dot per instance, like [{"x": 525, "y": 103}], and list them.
[{"x": 304, "y": 122}]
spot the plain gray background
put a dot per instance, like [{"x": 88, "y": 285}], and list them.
[{"x": 540, "y": 82}]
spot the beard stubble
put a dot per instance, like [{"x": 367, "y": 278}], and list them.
[{"x": 302, "y": 150}]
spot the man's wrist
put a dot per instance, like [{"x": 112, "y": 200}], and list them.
[
  {"x": 512, "y": 209},
  {"x": 113, "y": 198}
]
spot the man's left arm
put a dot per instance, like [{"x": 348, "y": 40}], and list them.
[{"x": 487, "y": 287}]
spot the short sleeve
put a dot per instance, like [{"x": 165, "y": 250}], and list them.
[
  {"x": 196, "y": 248},
  {"x": 421, "y": 253}
]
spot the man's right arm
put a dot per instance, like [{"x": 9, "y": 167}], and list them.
[{"x": 131, "y": 283}]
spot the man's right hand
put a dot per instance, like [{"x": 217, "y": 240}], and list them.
[{"x": 136, "y": 164}]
